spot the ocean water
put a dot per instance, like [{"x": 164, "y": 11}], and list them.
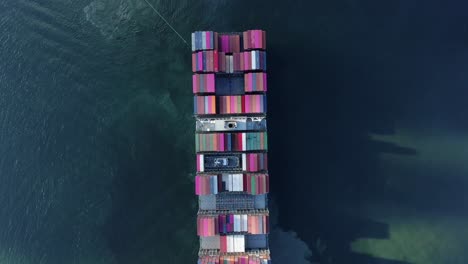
[{"x": 367, "y": 129}]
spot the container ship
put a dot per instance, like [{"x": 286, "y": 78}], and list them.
[{"x": 232, "y": 181}]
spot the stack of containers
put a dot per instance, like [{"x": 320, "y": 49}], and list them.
[
  {"x": 252, "y": 223},
  {"x": 255, "y": 82},
  {"x": 232, "y": 243},
  {"x": 246, "y": 259},
  {"x": 231, "y": 165},
  {"x": 215, "y": 53},
  {"x": 221, "y": 142},
  {"x": 247, "y": 183}
]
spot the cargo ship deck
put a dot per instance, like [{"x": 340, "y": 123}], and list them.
[{"x": 232, "y": 180}]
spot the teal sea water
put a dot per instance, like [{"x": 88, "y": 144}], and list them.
[{"x": 367, "y": 130}]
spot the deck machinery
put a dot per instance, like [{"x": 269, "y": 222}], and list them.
[{"x": 232, "y": 182}]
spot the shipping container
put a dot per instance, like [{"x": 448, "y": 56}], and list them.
[
  {"x": 258, "y": 224},
  {"x": 255, "y": 82},
  {"x": 254, "y": 60},
  {"x": 229, "y": 84},
  {"x": 256, "y": 184},
  {"x": 211, "y": 225},
  {"x": 258, "y": 243},
  {"x": 203, "y": 83},
  {"x": 231, "y": 142},
  {"x": 204, "y": 105},
  {"x": 231, "y": 62},
  {"x": 254, "y": 162},
  {"x": 229, "y": 43},
  {"x": 205, "y": 61},
  {"x": 232, "y": 243},
  {"x": 204, "y": 40},
  {"x": 245, "y": 104},
  {"x": 207, "y": 226},
  {"x": 235, "y": 259},
  {"x": 247, "y": 183},
  {"x": 254, "y": 39},
  {"x": 212, "y": 61}
]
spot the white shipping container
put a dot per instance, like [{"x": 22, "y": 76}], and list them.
[
  {"x": 230, "y": 244},
  {"x": 244, "y": 162},
  {"x": 193, "y": 41},
  {"x": 214, "y": 182},
  {"x": 238, "y": 182},
  {"x": 252, "y": 57},
  {"x": 203, "y": 40},
  {"x": 234, "y": 182},
  {"x": 237, "y": 223},
  {"x": 241, "y": 182},
  {"x": 244, "y": 222},
  {"x": 240, "y": 223},
  {"x": 240, "y": 244},
  {"x": 202, "y": 162}
]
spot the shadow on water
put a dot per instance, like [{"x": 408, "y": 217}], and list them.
[
  {"x": 339, "y": 73},
  {"x": 324, "y": 160}
]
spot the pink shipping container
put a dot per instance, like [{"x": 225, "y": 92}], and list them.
[
  {"x": 233, "y": 104},
  {"x": 256, "y": 162},
  {"x": 243, "y": 259},
  {"x": 229, "y": 43},
  {"x": 207, "y": 226},
  {"x": 255, "y": 82},
  {"x": 254, "y": 103},
  {"x": 204, "y": 105},
  {"x": 205, "y": 185},
  {"x": 254, "y": 39},
  {"x": 205, "y": 61},
  {"x": 258, "y": 224},
  {"x": 238, "y": 104},
  {"x": 203, "y": 83},
  {"x": 256, "y": 183},
  {"x": 254, "y": 60}
]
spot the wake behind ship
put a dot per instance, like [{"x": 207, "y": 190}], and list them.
[{"x": 232, "y": 182}]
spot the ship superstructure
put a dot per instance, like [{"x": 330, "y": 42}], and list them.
[{"x": 232, "y": 182}]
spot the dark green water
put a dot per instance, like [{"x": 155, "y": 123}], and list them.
[{"x": 367, "y": 129}]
